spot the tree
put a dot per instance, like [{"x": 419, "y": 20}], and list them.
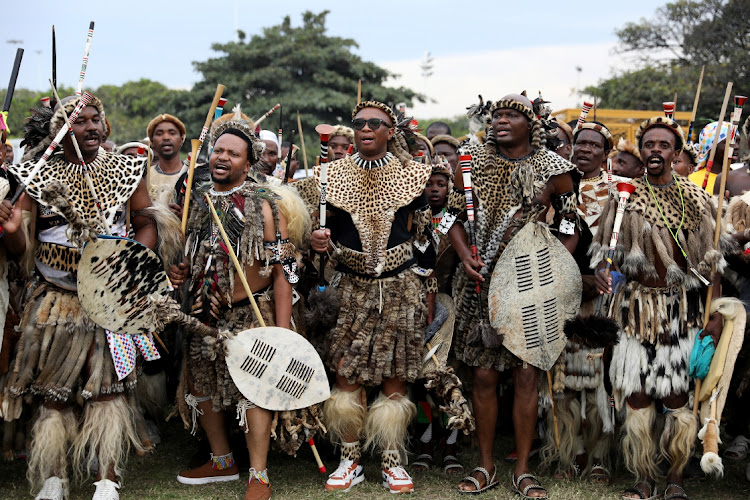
[
  {"x": 301, "y": 67},
  {"x": 683, "y": 36},
  {"x": 130, "y": 107}
]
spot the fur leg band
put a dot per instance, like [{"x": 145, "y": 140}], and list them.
[
  {"x": 108, "y": 432},
  {"x": 51, "y": 435},
  {"x": 387, "y": 422},
  {"x": 678, "y": 437},
  {"x": 639, "y": 443},
  {"x": 351, "y": 451},
  {"x": 344, "y": 415}
]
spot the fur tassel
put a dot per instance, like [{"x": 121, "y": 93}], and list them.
[
  {"x": 638, "y": 443},
  {"x": 322, "y": 311},
  {"x": 344, "y": 415},
  {"x": 677, "y": 438},
  {"x": 107, "y": 434},
  {"x": 170, "y": 243},
  {"x": 593, "y": 332},
  {"x": 711, "y": 464},
  {"x": 386, "y": 427},
  {"x": 298, "y": 222},
  {"x": 57, "y": 195},
  {"x": 568, "y": 412},
  {"x": 51, "y": 435}
]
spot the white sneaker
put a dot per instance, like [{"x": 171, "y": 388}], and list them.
[
  {"x": 106, "y": 490},
  {"x": 54, "y": 488},
  {"x": 397, "y": 480},
  {"x": 345, "y": 476}
]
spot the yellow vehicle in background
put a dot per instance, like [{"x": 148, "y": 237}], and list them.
[{"x": 622, "y": 122}]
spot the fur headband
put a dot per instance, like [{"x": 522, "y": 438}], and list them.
[
  {"x": 604, "y": 131},
  {"x": 58, "y": 120},
  {"x": 445, "y": 138},
  {"x": 343, "y": 131},
  {"x": 513, "y": 104},
  {"x": 379, "y": 105},
  {"x": 164, "y": 117},
  {"x": 239, "y": 121},
  {"x": 664, "y": 122}
]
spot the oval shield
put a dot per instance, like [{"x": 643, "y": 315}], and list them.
[
  {"x": 535, "y": 287},
  {"x": 115, "y": 278},
  {"x": 277, "y": 369}
]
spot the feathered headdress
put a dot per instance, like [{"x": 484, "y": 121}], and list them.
[{"x": 239, "y": 121}]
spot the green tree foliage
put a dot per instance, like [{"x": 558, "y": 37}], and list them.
[
  {"x": 130, "y": 107},
  {"x": 672, "y": 46},
  {"x": 300, "y": 67}
]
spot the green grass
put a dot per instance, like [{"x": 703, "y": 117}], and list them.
[{"x": 153, "y": 477}]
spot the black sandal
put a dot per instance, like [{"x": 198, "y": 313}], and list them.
[
  {"x": 680, "y": 495},
  {"x": 641, "y": 494}
]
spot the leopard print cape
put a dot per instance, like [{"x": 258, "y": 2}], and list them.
[
  {"x": 372, "y": 197},
  {"x": 501, "y": 187},
  {"x": 115, "y": 178}
]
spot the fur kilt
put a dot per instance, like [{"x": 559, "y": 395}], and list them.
[
  {"x": 205, "y": 357},
  {"x": 658, "y": 328},
  {"x": 467, "y": 302},
  {"x": 380, "y": 329},
  {"x": 62, "y": 354}
]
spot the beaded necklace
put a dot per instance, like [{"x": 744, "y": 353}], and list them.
[{"x": 682, "y": 220}]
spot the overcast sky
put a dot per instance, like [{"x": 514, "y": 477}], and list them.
[{"x": 490, "y": 49}]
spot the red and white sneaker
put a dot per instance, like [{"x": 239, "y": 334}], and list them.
[
  {"x": 345, "y": 476},
  {"x": 397, "y": 480}
]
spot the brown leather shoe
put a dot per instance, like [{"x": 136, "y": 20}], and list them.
[
  {"x": 257, "y": 490},
  {"x": 206, "y": 474}
]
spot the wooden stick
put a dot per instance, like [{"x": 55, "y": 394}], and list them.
[
  {"x": 695, "y": 106},
  {"x": 302, "y": 143},
  {"x": 359, "y": 91},
  {"x": 85, "y": 62},
  {"x": 554, "y": 414},
  {"x": 210, "y": 115},
  {"x": 710, "y": 163},
  {"x": 268, "y": 113},
  {"x": 717, "y": 230},
  {"x": 195, "y": 144},
  {"x": 237, "y": 267}
]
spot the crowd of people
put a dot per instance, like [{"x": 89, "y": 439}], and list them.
[{"x": 580, "y": 270}]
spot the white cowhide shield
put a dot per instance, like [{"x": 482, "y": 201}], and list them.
[
  {"x": 277, "y": 369},
  {"x": 115, "y": 278},
  {"x": 535, "y": 287}
]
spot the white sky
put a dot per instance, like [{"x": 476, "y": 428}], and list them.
[{"x": 488, "y": 48}]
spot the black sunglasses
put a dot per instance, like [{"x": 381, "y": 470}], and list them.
[{"x": 372, "y": 123}]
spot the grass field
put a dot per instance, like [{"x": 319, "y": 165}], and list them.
[{"x": 153, "y": 477}]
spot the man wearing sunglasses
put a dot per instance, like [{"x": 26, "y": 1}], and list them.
[{"x": 378, "y": 219}]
